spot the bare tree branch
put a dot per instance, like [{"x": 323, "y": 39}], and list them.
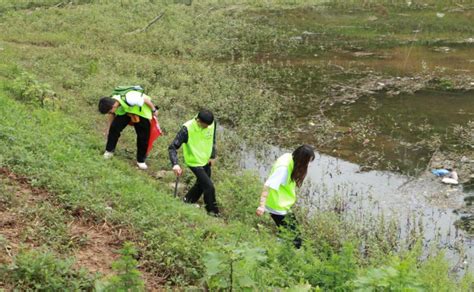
[{"x": 149, "y": 24}]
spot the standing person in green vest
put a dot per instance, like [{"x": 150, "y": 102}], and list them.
[
  {"x": 199, "y": 138},
  {"x": 279, "y": 190},
  {"x": 134, "y": 107}
]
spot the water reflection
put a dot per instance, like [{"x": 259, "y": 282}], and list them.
[
  {"x": 402, "y": 130},
  {"x": 396, "y": 61},
  {"x": 422, "y": 202}
]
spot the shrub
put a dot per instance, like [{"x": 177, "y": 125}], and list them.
[
  {"x": 336, "y": 271},
  {"x": 234, "y": 267},
  {"x": 399, "y": 275},
  {"x": 42, "y": 271},
  {"x": 127, "y": 276},
  {"x": 240, "y": 194},
  {"x": 27, "y": 89}
]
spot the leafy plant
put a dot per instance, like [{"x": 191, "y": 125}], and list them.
[
  {"x": 127, "y": 277},
  {"x": 27, "y": 89},
  {"x": 42, "y": 271},
  {"x": 446, "y": 84},
  {"x": 234, "y": 267},
  {"x": 400, "y": 275},
  {"x": 434, "y": 274}
]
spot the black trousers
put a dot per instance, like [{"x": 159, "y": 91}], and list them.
[
  {"x": 288, "y": 222},
  {"x": 142, "y": 129},
  {"x": 202, "y": 185}
]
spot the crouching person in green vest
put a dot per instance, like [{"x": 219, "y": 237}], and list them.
[
  {"x": 279, "y": 190},
  {"x": 134, "y": 108},
  {"x": 199, "y": 138}
]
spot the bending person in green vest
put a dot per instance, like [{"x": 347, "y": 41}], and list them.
[
  {"x": 136, "y": 108},
  {"x": 279, "y": 190},
  {"x": 199, "y": 138}
]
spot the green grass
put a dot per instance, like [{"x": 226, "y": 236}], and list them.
[
  {"x": 73, "y": 54},
  {"x": 42, "y": 271},
  {"x": 366, "y": 27}
]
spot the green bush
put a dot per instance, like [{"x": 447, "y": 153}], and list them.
[
  {"x": 42, "y": 271},
  {"x": 388, "y": 279},
  {"x": 27, "y": 89},
  {"x": 234, "y": 266},
  {"x": 126, "y": 277},
  {"x": 409, "y": 273},
  {"x": 239, "y": 197}
]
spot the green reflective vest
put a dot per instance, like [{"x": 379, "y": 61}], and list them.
[
  {"x": 197, "y": 151},
  {"x": 285, "y": 197},
  {"x": 142, "y": 111}
]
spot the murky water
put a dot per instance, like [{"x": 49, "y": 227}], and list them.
[
  {"x": 416, "y": 202},
  {"x": 398, "y": 61},
  {"x": 394, "y": 136},
  {"x": 379, "y": 147},
  {"x": 397, "y": 133},
  {"x": 401, "y": 130},
  {"x": 418, "y": 199}
]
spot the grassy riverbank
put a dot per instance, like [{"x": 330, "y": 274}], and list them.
[{"x": 59, "y": 58}]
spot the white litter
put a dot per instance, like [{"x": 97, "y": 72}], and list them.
[{"x": 450, "y": 181}]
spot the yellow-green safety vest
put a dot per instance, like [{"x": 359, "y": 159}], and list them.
[
  {"x": 285, "y": 197},
  {"x": 197, "y": 151},
  {"x": 142, "y": 111}
]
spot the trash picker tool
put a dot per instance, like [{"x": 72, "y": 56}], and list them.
[{"x": 176, "y": 187}]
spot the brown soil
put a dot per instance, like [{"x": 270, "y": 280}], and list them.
[
  {"x": 10, "y": 230},
  {"x": 100, "y": 247},
  {"x": 97, "y": 243}
]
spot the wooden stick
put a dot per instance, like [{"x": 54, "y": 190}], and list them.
[{"x": 149, "y": 24}]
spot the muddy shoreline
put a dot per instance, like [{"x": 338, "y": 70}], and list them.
[{"x": 375, "y": 84}]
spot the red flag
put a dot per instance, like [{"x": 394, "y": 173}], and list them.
[{"x": 155, "y": 132}]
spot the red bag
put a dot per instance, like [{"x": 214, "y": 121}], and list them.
[{"x": 155, "y": 132}]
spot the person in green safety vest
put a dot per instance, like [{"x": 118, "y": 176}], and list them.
[
  {"x": 279, "y": 190},
  {"x": 135, "y": 108},
  {"x": 198, "y": 137}
]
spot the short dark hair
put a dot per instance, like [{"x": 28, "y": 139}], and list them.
[
  {"x": 105, "y": 104},
  {"x": 206, "y": 116}
]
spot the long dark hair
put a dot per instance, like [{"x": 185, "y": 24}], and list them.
[{"x": 302, "y": 156}]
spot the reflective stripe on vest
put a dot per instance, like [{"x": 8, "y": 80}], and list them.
[
  {"x": 142, "y": 111},
  {"x": 197, "y": 151},
  {"x": 285, "y": 197}
]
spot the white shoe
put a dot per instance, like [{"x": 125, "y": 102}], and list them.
[
  {"x": 108, "y": 155},
  {"x": 142, "y": 165}
]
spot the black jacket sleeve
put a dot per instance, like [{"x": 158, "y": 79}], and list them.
[
  {"x": 181, "y": 137},
  {"x": 214, "y": 151}
]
